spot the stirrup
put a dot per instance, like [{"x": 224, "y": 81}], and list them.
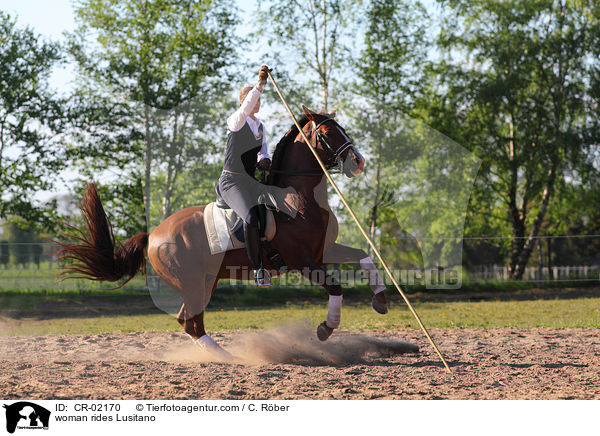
[{"x": 262, "y": 277}]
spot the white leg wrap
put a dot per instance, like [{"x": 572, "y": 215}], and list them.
[
  {"x": 375, "y": 280},
  {"x": 207, "y": 342},
  {"x": 334, "y": 315}
]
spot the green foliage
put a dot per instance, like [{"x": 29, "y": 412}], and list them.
[
  {"x": 306, "y": 40},
  {"x": 417, "y": 181},
  {"x": 517, "y": 82},
  {"x": 194, "y": 187},
  {"x": 123, "y": 201},
  {"x": 395, "y": 46},
  {"x": 158, "y": 52},
  {"x": 520, "y": 99},
  {"x": 22, "y": 243},
  {"x": 152, "y": 74},
  {"x": 188, "y": 142},
  {"x": 31, "y": 123},
  {"x": 383, "y": 91},
  {"x": 4, "y": 252}
]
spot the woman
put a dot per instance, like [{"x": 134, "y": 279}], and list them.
[{"x": 247, "y": 144}]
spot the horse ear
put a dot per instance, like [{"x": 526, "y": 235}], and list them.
[
  {"x": 332, "y": 114},
  {"x": 310, "y": 114}
]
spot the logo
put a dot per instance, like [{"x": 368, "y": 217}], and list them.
[{"x": 26, "y": 415}]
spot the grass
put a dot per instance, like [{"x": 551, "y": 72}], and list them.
[
  {"x": 30, "y": 277},
  {"x": 37, "y": 300},
  {"x": 560, "y": 313}
]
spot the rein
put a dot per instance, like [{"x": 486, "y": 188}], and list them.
[
  {"x": 335, "y": 154},
  {"x": 318, "y": 172}
]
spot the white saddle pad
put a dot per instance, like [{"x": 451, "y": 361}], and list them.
[{"x": 220, "y": 225}]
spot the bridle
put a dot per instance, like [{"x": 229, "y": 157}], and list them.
[
  {"x": 336, "y": 155},
  {"x": 334, "y": 163}
]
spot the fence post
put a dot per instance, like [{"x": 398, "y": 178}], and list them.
[{"x": 540, "y": 281}]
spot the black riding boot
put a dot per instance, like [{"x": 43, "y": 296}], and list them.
[
  {"x": 271, "y": 254},
  {"x": 253, "y": 247},
  {"x": 262, "y": 218}
]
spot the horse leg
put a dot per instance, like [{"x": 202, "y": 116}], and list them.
[
  {"x": 194, "y": 327},
  {"x": 338, "y": 253},
  {"x": 334, "y": 313}
]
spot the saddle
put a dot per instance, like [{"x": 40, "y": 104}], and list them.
[{"x": 225, "y": 229}]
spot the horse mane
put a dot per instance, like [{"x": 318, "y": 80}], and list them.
[{"x": 279, "y": 152}]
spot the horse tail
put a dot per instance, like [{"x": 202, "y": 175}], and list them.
[{"x": 93, "y": 252}]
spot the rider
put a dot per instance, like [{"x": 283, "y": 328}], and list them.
[{"x": 247, "y": 144}]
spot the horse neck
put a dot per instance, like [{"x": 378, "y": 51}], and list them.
[{"x": 299, "y": 158}]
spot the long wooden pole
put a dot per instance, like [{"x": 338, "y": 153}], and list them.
[{"x": 387, "y": 270}]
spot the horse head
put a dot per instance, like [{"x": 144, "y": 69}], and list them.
[{"x": 333, "y": 140}]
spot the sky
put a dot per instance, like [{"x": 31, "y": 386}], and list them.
[{"x": 51, "y": 18}]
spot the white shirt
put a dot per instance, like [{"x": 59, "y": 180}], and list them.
[{"x": 242, "y": 116}]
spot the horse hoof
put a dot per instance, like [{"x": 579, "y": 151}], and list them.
[
  {"x": 380, "y": 303},
  {"x": 323, "y": 331}
]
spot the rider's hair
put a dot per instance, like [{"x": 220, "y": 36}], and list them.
[{"x": 244, "y": 92}]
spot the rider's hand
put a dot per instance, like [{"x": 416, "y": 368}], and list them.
[
  {"x": 264, "y": 164},
  {"x": 263, "y": 74}
]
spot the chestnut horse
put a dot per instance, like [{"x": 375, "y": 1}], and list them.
[{"x": 178, "y": 248}]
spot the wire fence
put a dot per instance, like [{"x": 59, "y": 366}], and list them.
[
  {"x": 565, "y": 273},
  {"x": 562, "y": 258}
]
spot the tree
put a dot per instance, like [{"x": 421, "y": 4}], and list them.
[
  {"x": 4, "y": 253},
  {"x": 195, "y": 186},
  {"x": 389, "y": 74},
  {"x": 122, "y": 201},
  {"x": 147, "y": 59},
  {"x": 306, "y": 38},
  {"x": 188, "y": 137},
  {"x": 20, "y": 237},
  {"x": 31, "y": 122},
  {"x": 579, "y": 194},
  {"x": 37, "y": 250},
  {"x": 514, "y": 86}
]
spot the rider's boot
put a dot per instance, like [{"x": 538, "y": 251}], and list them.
[
  {"x": 262, "y": 219},
  {"x": 253, "y": 247},
  {"x": 272, "y": 254}
]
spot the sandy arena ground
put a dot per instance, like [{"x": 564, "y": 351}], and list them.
[{"x": 290, "y": 363}]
